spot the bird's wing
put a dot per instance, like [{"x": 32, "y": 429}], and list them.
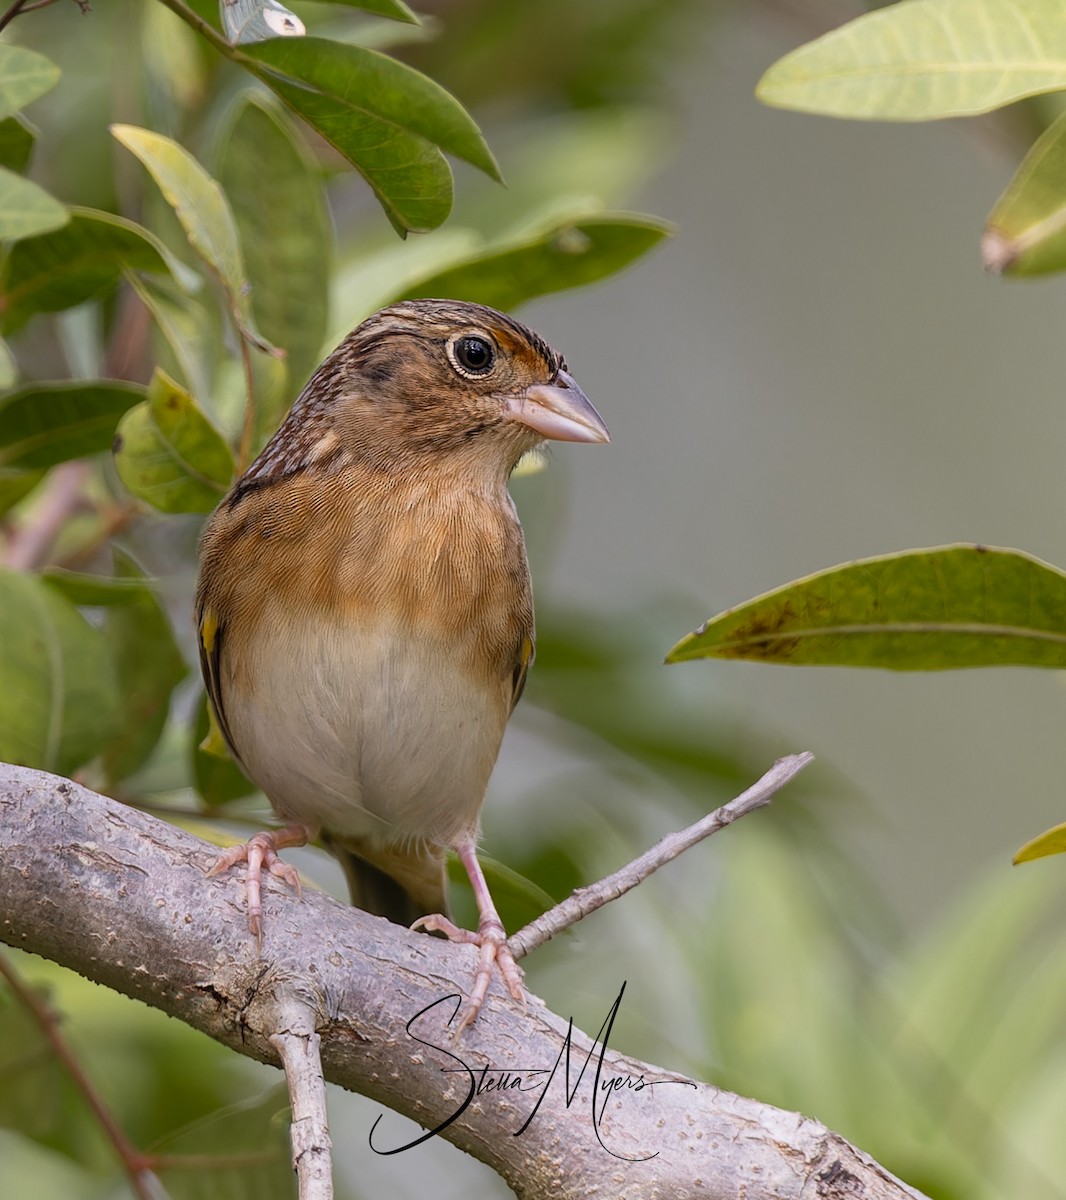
[
  {"x": 524, "y": 660},
  {"x": 209, "y": 642}
]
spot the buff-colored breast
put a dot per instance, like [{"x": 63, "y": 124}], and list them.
[{"x": 368, "y": 682}]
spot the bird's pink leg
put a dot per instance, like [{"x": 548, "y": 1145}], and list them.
[
  {"x": 259, "y": 851},
  {"x": 491, "y": 938}
]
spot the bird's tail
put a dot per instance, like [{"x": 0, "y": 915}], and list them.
[{"x": 401, "y": 883}]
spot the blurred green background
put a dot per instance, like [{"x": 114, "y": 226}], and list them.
[{"x": 814, "y": 368}]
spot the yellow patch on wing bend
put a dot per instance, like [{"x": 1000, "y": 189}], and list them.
[{"x": 208, "y": 630}]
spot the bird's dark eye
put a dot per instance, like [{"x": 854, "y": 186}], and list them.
[{"x": 473, "y": 354}]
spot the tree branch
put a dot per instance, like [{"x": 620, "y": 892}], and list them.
[
  {"x": 586, "y": 900},
  {"x": 122, "y": 898}
]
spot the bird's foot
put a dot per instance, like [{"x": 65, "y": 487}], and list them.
[
  {"x": 259, "y": 851},
  {"x": 491, "y": 938}
]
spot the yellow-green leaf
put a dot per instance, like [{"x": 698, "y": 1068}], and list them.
[
  {"x": 924, "y": 59},
  {"x": 26, "y": 209},
  {"x": 169, "y": 454},
  {"x": 24, "y": 76},
  {"x": 1051, "y": 841},
  {"x": 1026, "y": 232},
  {"x": 922, "y": 610},
  {"x": 202, "y": 209}
]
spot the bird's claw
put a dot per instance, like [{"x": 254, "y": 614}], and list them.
[
  {"x": 259, "y": 851},
  {"x": 491, "y": 938}
]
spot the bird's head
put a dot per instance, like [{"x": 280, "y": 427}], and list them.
[{"x": 441, "y": 377}]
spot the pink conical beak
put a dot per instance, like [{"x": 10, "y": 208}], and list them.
[{"x": 560, "y": 411}]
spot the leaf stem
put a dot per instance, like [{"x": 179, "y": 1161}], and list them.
[
  {"x": 144, "y": 1184},
  {"x": 205, "y": 28}
]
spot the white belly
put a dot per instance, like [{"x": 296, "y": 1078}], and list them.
[{"x": 377, "y": 735}]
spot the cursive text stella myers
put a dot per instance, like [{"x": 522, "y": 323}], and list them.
[{"x": 532, "y": 1081}]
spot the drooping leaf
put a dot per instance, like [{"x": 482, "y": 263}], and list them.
[
  {"x": 369, "y": 83},
  {"x": 186, "y": 327},
  {"x": 247, "y": 1145},
  {"x": 68, "y": 266},
  {"x": 218, "y": 778},
  {"x": 24, "y": 76},
  {"x": 16, "y": 145},
  {"x": 148, "y": 666},
  {"x": 922, "y": 610},
  {"x": 387, "y": 119},
  {"x": 169, "y": 454},
  {"x": 26, "y": 209},
  {"x": 567, "y": 256},
  {"x": 285, "y": 229},
  {"x": 58, "y": 703},
  {"x": 1026, "y": 231},
  {"x": 925, "y": 59},
  {"x": 43, "y": 424},
  {"x": 202, "y": 209},
  {"x": 1051, "y": 841},
  {"x": 97, "y": 591}
]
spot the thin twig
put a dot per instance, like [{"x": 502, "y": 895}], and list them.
[
  {"x": 29, "y": 544},
  {"x": 587, "y": 899},
  {"x": 143, "y": 1182},
  {"x": 298, "y": 1047},
  {"x": 12, "y": 13},
  {"x": 244, "y": 456}
]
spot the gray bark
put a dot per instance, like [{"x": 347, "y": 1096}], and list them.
[{"x": 122, "y": 898}]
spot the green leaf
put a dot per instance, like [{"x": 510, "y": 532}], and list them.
[
  {"x": 924, "y": 59},
  {"x": 26, "y": 209},
  {"x": 369, "y": 83},
  {"x": 148, "y": 666},
  {"x": 57, "y": 706},
  {"x": 394, "y": 9},
  {"x": 15, "y": 485},
  {"x": 1026, "y": 231},
  {"x": 43, "y": 424},
  {"x": 16, "y": 145},
  {"x": 97, "y": 591},
  {"x": 1051, "y": 841},
  {"x": 201, "y": 208},
  {"x": 65, "y": 268},
  {"x": 566, "y": 256},
  {"x": 385, "y": 118},
  {"x": 24, "y": 76},
  {"x": 169, "y": 454},
  {"x": 518, "y": 899},
  {"x": 218, "y": 779},
  {"x": 285, "y": 229},
  {"x": 921, "y": 610}
]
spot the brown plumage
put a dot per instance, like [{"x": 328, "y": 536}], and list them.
[{"x": 364, "y": 606}]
